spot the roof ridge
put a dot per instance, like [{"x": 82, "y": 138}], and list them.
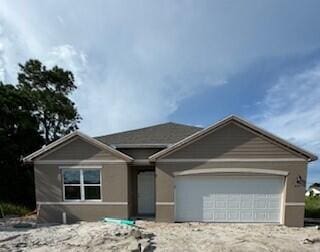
[{"x": 151, "y": 126}]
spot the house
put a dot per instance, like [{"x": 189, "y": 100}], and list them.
[
  {"x": 313, "y": 191},
  {"x": 231, "y": 171}
]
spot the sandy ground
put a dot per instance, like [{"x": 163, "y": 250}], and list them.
[
  {"x": 149, "y": 236},
  {"x": 231, "y": 237}
]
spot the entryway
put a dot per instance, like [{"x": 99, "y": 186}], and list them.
[{"x": 146, "y": 193}]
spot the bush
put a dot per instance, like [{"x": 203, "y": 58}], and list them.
[
  {"x": 12, "y": 209},
  {"x": 312, "y": 208}
]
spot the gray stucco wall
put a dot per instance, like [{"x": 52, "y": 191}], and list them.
[{"x": 139, "y": 153}]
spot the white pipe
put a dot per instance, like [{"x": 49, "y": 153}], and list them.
[{"x": 64, "y": 218}]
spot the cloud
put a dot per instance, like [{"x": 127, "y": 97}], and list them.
[
  {"x": 68, "y": 57},
  {"x": 136, "y": 61},
  {"x": 291, "y": 109},
  {"x": 2, "y": 62}
]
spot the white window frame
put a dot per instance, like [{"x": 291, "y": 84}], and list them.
[{"x": 82, "y": 184}]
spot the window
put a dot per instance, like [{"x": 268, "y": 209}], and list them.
[{"x": 81, "y": 184}]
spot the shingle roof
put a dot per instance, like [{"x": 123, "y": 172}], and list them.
[{"x": 166, "y": 133}]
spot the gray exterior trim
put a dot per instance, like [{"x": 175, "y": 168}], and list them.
[
  {"x": 141, "y": 162},
  {"x": 254, "y": 129}
]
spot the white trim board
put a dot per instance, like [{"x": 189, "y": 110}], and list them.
[
  {"x": 80, "y": 167},
  {"x": 295, "y": 204},
  {"x": 75, "y": 161},
  {"x": 82, "y": 203},
  {"x": 231, "y": 170},
  {"x": 188, "y": 160},
  {"x": 165, "y": 203}
]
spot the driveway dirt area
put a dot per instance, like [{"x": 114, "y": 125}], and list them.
[{"x": 151, "y": 236}]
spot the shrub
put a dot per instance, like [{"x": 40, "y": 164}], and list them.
[
  {"x": 312, "y": 208},
  {"x": 12, "y": 209}
]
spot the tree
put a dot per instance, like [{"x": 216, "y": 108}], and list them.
[
  {"x": 49, "y": 89},
  {"x": 314, "y": 185},
  {"x": 17, "y": 124},
  {"x": 36, "y": 111}
]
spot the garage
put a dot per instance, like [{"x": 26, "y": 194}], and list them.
[{"x": 208, "y": 198}]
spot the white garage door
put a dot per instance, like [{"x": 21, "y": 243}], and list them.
[{"x": 228, "y": 198}]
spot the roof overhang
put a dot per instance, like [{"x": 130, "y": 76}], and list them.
[
  {"x": 259, "y": 131},
  {"x": 64, "y": 139},
  {"x": 140, "y": 146}
]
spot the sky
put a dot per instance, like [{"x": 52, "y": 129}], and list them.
[{"x": 139, "y": 63}]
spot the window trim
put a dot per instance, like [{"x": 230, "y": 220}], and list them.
[{"x": 82, "y": 184}]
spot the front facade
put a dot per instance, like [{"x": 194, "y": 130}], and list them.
[{"x": 231, "y": 171}]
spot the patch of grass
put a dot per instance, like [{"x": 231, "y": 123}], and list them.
[
  {"x": 312, "y": 208},
  {"x": 13, "y": 209}
]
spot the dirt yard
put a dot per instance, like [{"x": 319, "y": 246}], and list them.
[{"x": 150, "y": 236}]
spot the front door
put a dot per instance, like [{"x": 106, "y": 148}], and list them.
[{"x": 146, "y": 195}]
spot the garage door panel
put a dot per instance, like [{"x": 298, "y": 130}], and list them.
[
  {"x": 228, "y": 199},
  {"x": 274, "y": 203},
  {"x": 246, "y": 216},
  {"x": 208, "y": 202},
  {"x": 219, "y": 216},
  {"x": 260, "y": 203},
  {"x": 234, "y": 215},
  {"x": 246, "y": 203},
  {"x": 220, "y": 203},
  {"x": 208, "y": 215},
  {"x": 273, "y": 215}
]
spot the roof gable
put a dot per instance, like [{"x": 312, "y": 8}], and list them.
[
  {"x": 68, "y": 139},
  {"x": 268, "y": 137}
]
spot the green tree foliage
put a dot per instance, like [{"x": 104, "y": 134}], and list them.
[
  {"x": 18, "y": 137},
  {"x": 49, "y": 90},
  {"x": 37, "y": 111},
  {"x": 314, "y": 185}
]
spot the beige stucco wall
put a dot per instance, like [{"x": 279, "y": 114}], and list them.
[
  {"x": 77, "y": 212},
  {"x": 114, "y": 188},
  {"x": 48, "y": 181},
  {"x": 77, "y": 149},
  {"x": 294, "y": 193},
  {"x": 231, "y": 141},
  {"x": 48, "y": 184},
  {"x": 232, "y": 146}
]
